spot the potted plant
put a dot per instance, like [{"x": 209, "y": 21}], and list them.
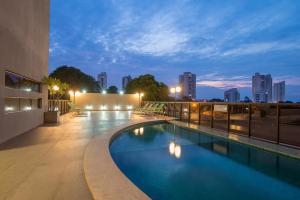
[{"x": 56, "y": 90}]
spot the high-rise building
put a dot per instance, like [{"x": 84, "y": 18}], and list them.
[
  {"x": 102, "y": 80},
  {"x": 262, "y": 88},
  {"x": 125, "y": 81},
  {"x": 187, "y": 81},
  {"x": 24, "y": 39},
  {"x": 279, "y": 92},
  {"x": 232, "y": 95}
]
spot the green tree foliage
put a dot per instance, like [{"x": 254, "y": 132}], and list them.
[
  {"x": 57, "y": 89},
  {"x": 152, "y": 89},
  {"x": 112, "y": 90},
  {"x": 76, "y": 79}
]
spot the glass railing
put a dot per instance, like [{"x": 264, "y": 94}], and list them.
[{"x": 278, "y": 123}]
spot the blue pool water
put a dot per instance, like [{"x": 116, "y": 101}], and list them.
[{"x": 168, "y": 162}]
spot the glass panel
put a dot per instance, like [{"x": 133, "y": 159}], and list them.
[
  {"x": 177, "y": 109},
  {"x": 264, "y": 122},
  {"x": 185, "y": 112},
  {"x": 220, "y": 117},
  {"x": 239, "y": 119},
  {"x": 195, "y": 113},
  {"x": 12, "y": 80},
  {"x": 29, "y": 86},
  {"x": 11, "y": 105},
  {"x": 25, "y": 104},
  {"x": 289, "y": 125},
  {"x": 205, "y": 115},
  {"x": 18, "y": 82},
  {"x": 34, "y": 103}
]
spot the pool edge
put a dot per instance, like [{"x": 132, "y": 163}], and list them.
[{"x": 103, "y": 177}]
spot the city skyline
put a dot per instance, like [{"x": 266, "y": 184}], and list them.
[{"x": 223, "y": 43}]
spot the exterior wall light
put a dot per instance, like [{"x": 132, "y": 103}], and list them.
[
  {"x": 103, "y": 107},
  {"x": 27, "y": 108},
  {"x": 129, "y": 107},
  {"x": 117, "y": 107},
  {"x": 83, "y": 91},
  {"x": 121, "y": 92},
  {"x": 104, "y": 92},
  {"x": 28, "y": 89},
  {"x": 89, "y": 107},
  {"x": 9, "y": 108}
]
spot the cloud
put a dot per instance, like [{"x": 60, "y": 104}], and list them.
[
  {"x": 263, "y": 47},
  {"x": 224, "y": 82}
]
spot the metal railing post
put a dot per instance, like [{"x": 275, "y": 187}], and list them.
[
  {"x": 189, "y": 114},
  {"x": 199, "y": 114},
  {"x": 228, "y": 117},
  {"x": 212, "y": 116}
]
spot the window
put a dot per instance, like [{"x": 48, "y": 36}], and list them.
[
  {"x": 19, "y": 82},
  {"x": 21, "y": 104}
]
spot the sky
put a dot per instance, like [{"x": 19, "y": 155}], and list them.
[{"x": 223, "y": 42}]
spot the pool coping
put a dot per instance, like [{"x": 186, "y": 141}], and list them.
[{"x": 104, "y": 178}]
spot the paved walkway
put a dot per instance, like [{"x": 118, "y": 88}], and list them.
[{"x": 47, "y": 162}]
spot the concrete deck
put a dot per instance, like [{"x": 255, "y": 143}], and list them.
[{"x": 47, "y": 162}]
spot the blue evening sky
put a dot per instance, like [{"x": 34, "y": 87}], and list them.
[{"x": 223, "y": 42}]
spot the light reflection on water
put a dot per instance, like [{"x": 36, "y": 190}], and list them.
[{"x": 168, "y": 162}]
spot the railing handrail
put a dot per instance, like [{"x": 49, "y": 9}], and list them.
[{"x": 226, "y": 103}]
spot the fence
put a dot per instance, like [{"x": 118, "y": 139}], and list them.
[
  {"x": 61, "y": 105},
  {"x": 278, "y": 123}
]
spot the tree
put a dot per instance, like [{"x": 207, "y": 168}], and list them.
[
  {"x": 152, "y": 89},
  {"x": 112, "y": 90},
  {"x": 56, "y": 89},
  {"x": 216, "y": 100},
  {"x": 76, "y": 78}
]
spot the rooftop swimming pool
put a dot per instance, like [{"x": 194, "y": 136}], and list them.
[{"x": 169, "y": 162}]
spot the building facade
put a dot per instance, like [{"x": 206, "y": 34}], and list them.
[
  {"x": 125, "y": 81},
  {"x": 102, "y": 80},
  {"x": 279, "y": 92},
  {"x": 262, "y": 88},
  {"x": 232, "y": 95},
  {"x": 24, "y": 39},
  {"x": 187, "y": 81}
]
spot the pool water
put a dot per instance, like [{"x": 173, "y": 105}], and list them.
[{"x": 169, "y": 162}]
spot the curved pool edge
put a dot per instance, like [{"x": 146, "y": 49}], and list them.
[{"x": 104, "y": 178}]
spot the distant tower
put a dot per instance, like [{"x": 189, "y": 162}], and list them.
[
  {"x": 187, "y": 81},
  {"x": 232, "y": 95},
  {"x": 102, "y": 80},
  {"x": 262, "y": 88},
  {"x": 279, "y": 92},
  {"x": 125, "y": 81}
]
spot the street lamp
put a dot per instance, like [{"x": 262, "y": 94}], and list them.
[
  {"x": 175, "y": 91},
  {"x": 74, "y": 94},
  {"x": 140, "y": 95},
  {"x": 55, "y": 88}
]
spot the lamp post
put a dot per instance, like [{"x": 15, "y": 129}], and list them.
[
  {"x": 175, "y": 91},
  {"x": 140, "y": 95},
  {"x": 74, "y": 94}
]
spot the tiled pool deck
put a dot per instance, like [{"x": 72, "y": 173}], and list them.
[
  {"x": 55, "y": 162},
  {"x": 47, "y": 162}
]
